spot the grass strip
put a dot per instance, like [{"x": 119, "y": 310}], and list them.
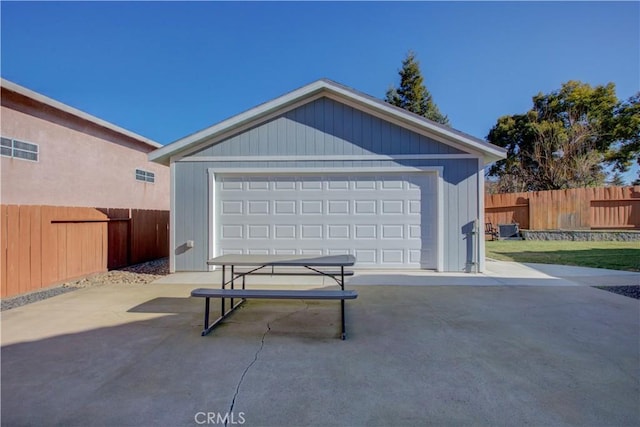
[{"x": 612, "y": 255}]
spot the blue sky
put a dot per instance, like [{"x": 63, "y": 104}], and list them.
[{"x": 167, "y": 69}]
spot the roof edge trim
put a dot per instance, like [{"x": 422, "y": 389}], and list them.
[{"x": 21, "y": 90}]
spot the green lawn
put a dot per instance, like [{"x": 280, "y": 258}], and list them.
[{"x": 612, "y": 255}]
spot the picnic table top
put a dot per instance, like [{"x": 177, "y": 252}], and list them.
[{"x": 284, "y": 260}]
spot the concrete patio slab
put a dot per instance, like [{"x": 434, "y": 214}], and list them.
[
  {"x": 498, "y": 273},
  {"x": 439, "y": 355},
  {"x": 588, "y": 276}
]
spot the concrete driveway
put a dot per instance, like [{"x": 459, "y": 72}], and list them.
[{"x": 497, "y": 349}]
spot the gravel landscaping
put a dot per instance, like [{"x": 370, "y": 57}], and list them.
[
  {"x": 627, "y": 291},
  {"x": 135, "y": 275}
]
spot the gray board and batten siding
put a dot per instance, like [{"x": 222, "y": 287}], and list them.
[{"x": 326, "y": 127}]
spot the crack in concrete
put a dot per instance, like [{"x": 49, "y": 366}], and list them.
[{"x": 255, "y": 357}]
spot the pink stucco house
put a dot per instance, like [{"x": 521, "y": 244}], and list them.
[
  {"x": 77, "y": 194},
  {"x": 53, "y": 154}
]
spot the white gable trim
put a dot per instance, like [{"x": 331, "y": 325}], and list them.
[{"x": 341, "y": 157}]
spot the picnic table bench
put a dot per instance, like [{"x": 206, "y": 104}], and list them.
[{"x": 275, "y": 265}]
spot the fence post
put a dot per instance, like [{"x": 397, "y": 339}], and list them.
[{"x": 130, "y": 231}]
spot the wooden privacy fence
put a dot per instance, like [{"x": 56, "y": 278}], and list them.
[
  {"x": 44, "y": 245},
  {"x": 573, "y": 209}
]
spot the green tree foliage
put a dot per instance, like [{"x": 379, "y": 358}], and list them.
[
  {"x": 566, "y": 138},
  {"x": 412, "y": 95},
  {"x": 616, "y": 180},
  {"x": 626, "y": 147}
]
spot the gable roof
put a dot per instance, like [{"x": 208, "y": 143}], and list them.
[
  {"x": 342, "y": 93},
  {"x": 21, "y": 90}
]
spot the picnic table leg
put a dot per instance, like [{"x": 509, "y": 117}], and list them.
[
  {"x": 233, "y": 279},
  {"x": 344, "y": 333},
  {"x": 222, "y": 299},
  {"x": 206, "y": 317}
]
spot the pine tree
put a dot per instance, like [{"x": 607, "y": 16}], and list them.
[
  {"x": 617, "y": 180},
  {"x": 412, "y": 95}
]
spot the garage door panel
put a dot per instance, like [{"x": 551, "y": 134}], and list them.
[
  {"x": 392, "y": 231},
  {"x": 290, "y": 251},
  {"x": 311, "y": 184},
  {"x": 392, "y": 184},
  {"x": 365, "y": 207},
  {"x": 338, "y": 231},
  {"x": 337, "y": 183},
  {"x": 366, "y": 183},
  {"x": 338, "y": 207},
  {"x": 365, "y": 231},
  {"x": 284, "y": 231},
  {"x": 384, "y": 220},
  {"x": 311, "y": 207},
  {"x": 232, "y": 232},
  {"x": 258, "y": 184},
  {"x": 366, "y": 256},
  {"x": 231, "y": 207},
  {"x": 258, "y": 207},
  {"x": 258, "y": 231},
  {"x": 231, "y": 184},
  {"x": 284, "y": 207},
  {"x": 392, "y": 256},
  {"x": 391, "y": 207},
  {"x": 284, "y": 184},
  {"x": 311, "y": 231},
  {"x": 311, "y": 252}
]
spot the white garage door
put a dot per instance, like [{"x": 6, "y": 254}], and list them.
[{"x": 386, "y": 221}]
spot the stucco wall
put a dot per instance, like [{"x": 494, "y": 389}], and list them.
[{"x": 79, "y": 163}]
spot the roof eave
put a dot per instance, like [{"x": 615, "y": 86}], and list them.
[{"x": 21, "y": 90}]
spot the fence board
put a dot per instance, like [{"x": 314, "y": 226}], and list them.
[
  {"x": 150, "y": 237},
  {"x": 13, "y": 238},
  {"x": 575, "y": 209},
  {"x": 117, "y": 241},
  {"x": 24, "y": 233},
  {"x": 44, "y": 245},
  {"x": 50, "y": 261},
  {"x": 35, "y": 252},
  {"x": 61, "y": 251}
]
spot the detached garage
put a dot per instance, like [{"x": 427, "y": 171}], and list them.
[{"x": 326, "y": 170}]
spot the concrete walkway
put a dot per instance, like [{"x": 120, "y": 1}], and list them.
[{"x": 521, "y": 345}]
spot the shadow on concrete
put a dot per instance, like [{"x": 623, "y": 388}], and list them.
[
  {"x": 415, "y": 355},
  {"x": 167, "y": 305}
]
